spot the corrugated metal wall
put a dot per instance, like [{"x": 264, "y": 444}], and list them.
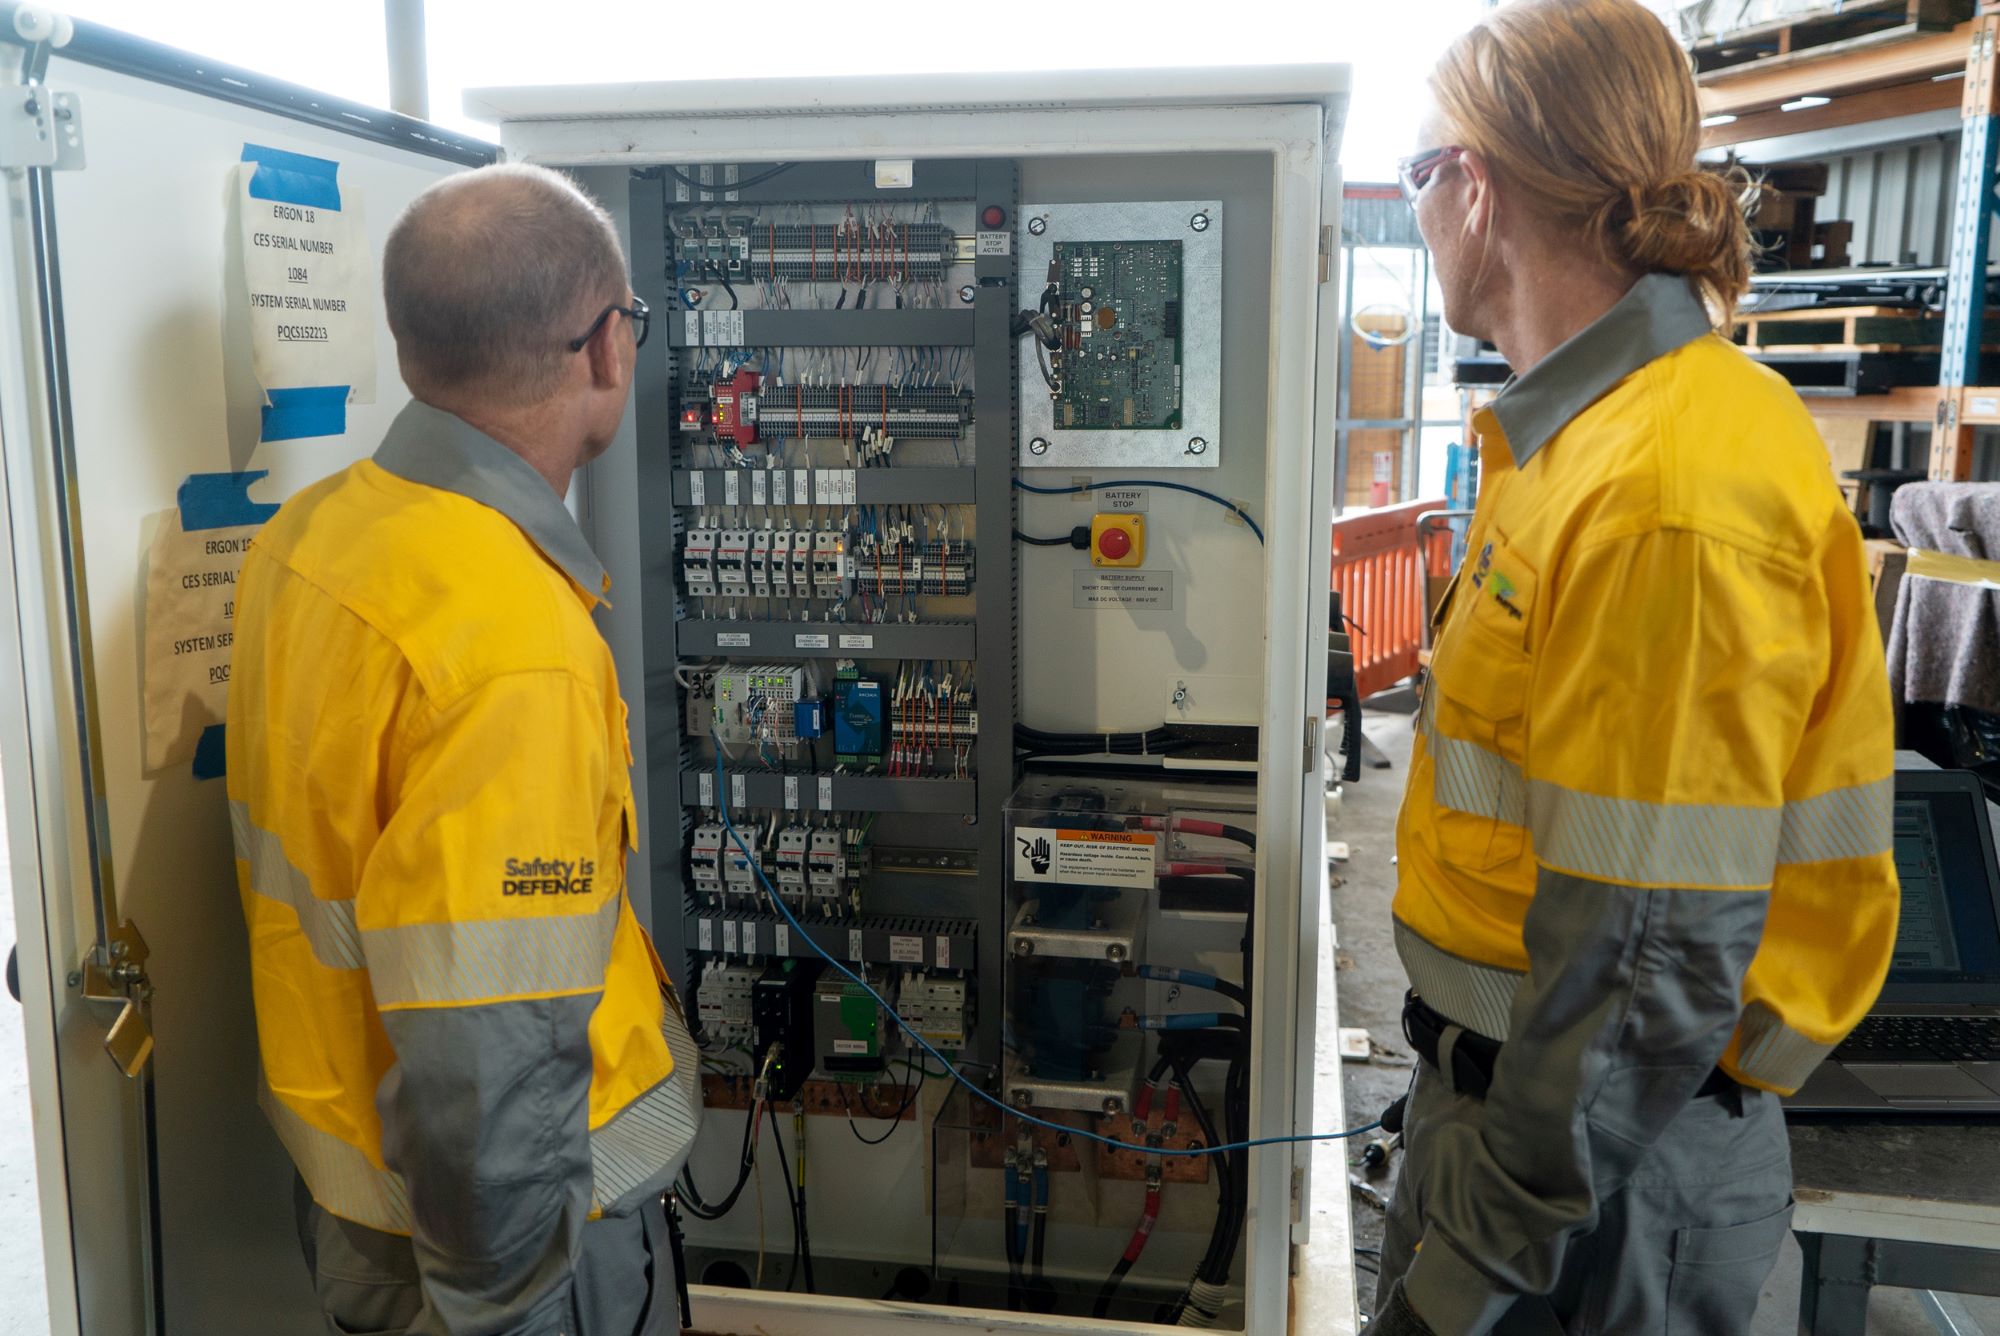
[{"x": 1898, "y": 198}]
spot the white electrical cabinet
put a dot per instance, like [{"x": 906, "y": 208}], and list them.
[
  {"x": 969, "y": 533},
  {"x": 961, "y": 319}
]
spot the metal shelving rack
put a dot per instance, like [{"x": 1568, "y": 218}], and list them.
[{"x": 1876, "y": 80}]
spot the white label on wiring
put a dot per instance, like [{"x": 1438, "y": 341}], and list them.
[
  {"x": 854, "y": 944},
  {"x": 809, "y": 642},
  {"x": 906, "y": 950},
  {"x": 730, "y": 945},
  {"x": 723, "y": 329},
  {"x": 1134, "y": 591},
  {"x": 826, "y": 793},
  {"x": 850, "y": 1048},
  {"x": 698, "y": 487},
  {"x": 943, "y": 952},
  {"x": 732, "y": 488},
  {"x": 680, "y": 191},
  {"x": 791, "y": 793},
  {"x": 995, "y": 243},
  {"x": 1983, "y": 406},
  {"x": 1125, "y": 500},
  {"x": 705, "y": 786},
  {"x": 895, "y": 173},
  {"x": 857, "y": 642},
  {"x": 801, "y": 486},
  {"x": 781, "y": 940},
  {"x": 778, "y": 477},
  {"x": 704, "y": 934},
  {"x": 732, "y": 640},
  {"x": 759, "y": 489},
  {"x": 1122, "y": 858},
  {"x": 736, "y": 791},
  {"x": 729, "y": 177},
  {"x": 693, "y": 336}
]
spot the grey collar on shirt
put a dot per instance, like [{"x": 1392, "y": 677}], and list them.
[
  {"x": 1660, "y": 313},
  {"x": 430, "y": 446}
]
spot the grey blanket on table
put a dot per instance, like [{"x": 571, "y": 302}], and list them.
[{"x": 1944, "y": 647}]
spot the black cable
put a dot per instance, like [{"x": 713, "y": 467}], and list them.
[
  {"x": 895, "y": 1119},
  {"x": 691, "y": 1197},
  {"x": 720, "y": 187},
  {"x": 791, "y": 1202},
  {"x": 1069, "y": 541},
  {"x": 1107, "y": 1291}
]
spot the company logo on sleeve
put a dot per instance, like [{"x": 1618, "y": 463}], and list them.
[{"x": 548, "y": 876}]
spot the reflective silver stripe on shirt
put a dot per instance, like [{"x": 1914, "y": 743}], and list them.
[
  {"x": 1773, "y": 1052},
  {"x": 1693, "y": 845},
  {"x": 1479, "y": 997},
  {"x": 338, "y": 1175},
  {"x": 1854, "y": 822},
  {"x": 644, "y": 1145},
  {"x": 469, "y": 961},
  {"x": 1698, "y": 845},
  {"x": 327, "y": 924}
]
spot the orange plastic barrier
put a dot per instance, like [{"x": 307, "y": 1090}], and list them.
[{"x": 1379, "y": 570}]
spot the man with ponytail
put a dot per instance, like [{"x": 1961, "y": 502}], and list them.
[{"x": 1645, "y": 879}]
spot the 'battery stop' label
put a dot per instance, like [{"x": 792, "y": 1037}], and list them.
[{"x": 1121, "y": 858}]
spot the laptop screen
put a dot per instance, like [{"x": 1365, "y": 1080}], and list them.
[{"x": 1948, "y": 932}]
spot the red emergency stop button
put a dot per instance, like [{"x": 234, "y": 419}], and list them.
[
  {"x": 993, "y": 217},
  {"x": 1114, "y": 544}
]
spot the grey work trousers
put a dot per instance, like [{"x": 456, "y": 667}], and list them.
[
  {"x": 367, "y": 1284},
  {"x": 1682, "y": 1247}
]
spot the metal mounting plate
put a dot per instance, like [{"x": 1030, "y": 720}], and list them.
[
  {"x": 40, "y": 128},
  {"x": 1201, "y": 335}
]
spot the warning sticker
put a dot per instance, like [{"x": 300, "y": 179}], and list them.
[
  {"x": 1122, "y": 858},
  {"x": 1138, "y": 591}
]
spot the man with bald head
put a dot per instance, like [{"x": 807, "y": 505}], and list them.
[{"x": 469, "y": 1047}]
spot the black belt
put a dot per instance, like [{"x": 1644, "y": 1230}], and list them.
[{"x": 1473, "y": 1055}]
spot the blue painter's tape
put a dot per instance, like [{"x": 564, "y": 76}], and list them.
[
  {"x": 221, "y": 501},
  {"x": 209, "y": 754},
  {"x": 292, "y": 178},
  {"x": 313, "y": 410}
]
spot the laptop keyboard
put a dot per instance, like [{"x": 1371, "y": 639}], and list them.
[{"x": 1923, "y": 1039}]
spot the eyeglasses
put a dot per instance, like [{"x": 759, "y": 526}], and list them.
[
  {"x": 1414, "y": 172},
  {"x": 640, "y": 314}
]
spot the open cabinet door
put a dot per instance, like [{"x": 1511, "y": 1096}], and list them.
[{"x": 125, "y": 368}]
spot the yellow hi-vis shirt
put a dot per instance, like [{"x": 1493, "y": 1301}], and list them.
[
  {"x": 465, "y": 1034},
  {"x": 1654, "y": 767}
]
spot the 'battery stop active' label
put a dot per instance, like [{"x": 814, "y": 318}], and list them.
[{"x": 1122, "y": 858}]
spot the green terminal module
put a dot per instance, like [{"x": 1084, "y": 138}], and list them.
[{"x": 1120, "y": 315}]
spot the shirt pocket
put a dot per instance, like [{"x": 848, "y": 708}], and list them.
[{"x": 1474, "y": 720}]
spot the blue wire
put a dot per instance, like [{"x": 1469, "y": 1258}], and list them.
[
  {"x": 1138, "y": 482},
  {"x": 951, "y": 1069}
]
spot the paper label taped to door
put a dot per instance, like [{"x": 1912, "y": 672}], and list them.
[
  {"x": 309, "y": 284},
  {"x": 190, "y": 610},
  {"x": 1122, "y": 858}
]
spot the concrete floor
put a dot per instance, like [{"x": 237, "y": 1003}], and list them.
[{"x": 1371, "y": 984}]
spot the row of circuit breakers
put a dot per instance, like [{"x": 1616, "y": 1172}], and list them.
[{"x": 821, "y": 563}]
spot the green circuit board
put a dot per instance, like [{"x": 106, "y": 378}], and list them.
[{"x": 1120, "y": 364}]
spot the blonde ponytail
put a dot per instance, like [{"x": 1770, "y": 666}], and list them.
[{"x": 1588, "y": 108}]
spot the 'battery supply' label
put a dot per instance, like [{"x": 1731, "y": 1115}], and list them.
[{"x": 1121, "y": 858}]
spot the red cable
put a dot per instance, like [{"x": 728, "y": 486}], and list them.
[
  {"x": 1144, "y": 1230},
  {"x": 1200, "y": 870}
]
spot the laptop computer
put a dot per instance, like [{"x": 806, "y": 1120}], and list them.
[{"x": 1932, "y": 1042}]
